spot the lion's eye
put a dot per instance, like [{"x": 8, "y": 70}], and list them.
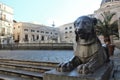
[
  {"x": 85, "y": 23},
  {"x": 78, "y": 24}
]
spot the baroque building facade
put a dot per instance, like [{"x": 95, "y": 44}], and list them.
[
  {"x": 67, "y": 34},
  {"x": 34, "y": 33},
  {"x": 113, "y": 6},
  {"x": 6, "y": 24}
]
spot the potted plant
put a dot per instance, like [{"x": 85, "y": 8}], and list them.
[{"x": 107, "y": 27}]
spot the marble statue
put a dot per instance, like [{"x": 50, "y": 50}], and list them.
[{"x": 89, "y": 55}]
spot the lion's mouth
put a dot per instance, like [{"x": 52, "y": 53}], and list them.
[{"x": 82, "y": 36}]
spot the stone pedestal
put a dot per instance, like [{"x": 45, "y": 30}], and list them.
[{"x": 102, "y": 73}]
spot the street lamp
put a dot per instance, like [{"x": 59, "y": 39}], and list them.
[{"x": 53, "y": 25}]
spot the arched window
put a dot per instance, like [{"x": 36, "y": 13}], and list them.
[{"x": 42, "y": 38}]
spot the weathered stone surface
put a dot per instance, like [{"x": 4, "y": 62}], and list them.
[
  {"x": 89, "y": 54},
  {"x": 102, "y": 73}
]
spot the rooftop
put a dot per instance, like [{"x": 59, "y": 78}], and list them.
[{"x": 105, "y": 1}]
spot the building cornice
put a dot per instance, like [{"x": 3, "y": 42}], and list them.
[{"x": 107, "y": 8}]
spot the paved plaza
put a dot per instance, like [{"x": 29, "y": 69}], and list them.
[
  {"x": 37, "y": 55},
  {"x": 55, "y": 56}
]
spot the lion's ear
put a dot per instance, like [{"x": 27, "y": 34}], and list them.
[{"x": 94, "y": 21}]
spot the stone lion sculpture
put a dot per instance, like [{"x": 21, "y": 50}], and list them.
[{"x": 89, "y": 54}]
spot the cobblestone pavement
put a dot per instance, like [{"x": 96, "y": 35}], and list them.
[{"x": 37, "y": 55}]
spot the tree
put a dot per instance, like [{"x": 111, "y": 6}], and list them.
[{"x": 107, "y": 27}]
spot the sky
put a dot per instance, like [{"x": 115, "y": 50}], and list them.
[{"x": 48, "y": 11}]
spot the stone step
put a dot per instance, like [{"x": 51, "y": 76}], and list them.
[
  {"x": 25, "y": 67},
  {"x": 35, "y": 63},
  {"x": 32, "y": 70},
  {"x": 12, "y": 77},
  {"x": 22, "y": 73}
]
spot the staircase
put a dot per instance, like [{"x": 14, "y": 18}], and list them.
[{"x": 24, "y": 70}]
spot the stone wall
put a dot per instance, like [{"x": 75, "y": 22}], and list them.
[{"x": 38, "y": 46}]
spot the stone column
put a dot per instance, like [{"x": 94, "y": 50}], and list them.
[{"x": 39, "y": 38}]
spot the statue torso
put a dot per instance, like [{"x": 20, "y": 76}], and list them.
[{"x": 86, "y": 51}]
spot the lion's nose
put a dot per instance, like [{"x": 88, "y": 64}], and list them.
[{"x": 79, "y": 30}]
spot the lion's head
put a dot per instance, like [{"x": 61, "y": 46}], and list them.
[{"x": 84, "y": 28}]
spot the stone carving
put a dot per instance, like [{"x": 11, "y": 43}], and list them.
[{"x": 89, "y": 54}]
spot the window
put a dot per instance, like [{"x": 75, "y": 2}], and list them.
[
  {"x": 70, "y": 31},
  {"x": 3, "y": 17},
  {"x": 66, "y": 32},
  {"x": 42, "y": 31},
  {"x": 65, "y": 28},
  {"x": 108, "y": 5},
  {"x": 37, "y": 37},
  {"x": 32, "y": 30},
  {"x": 18, "y": 37},
  {"x": 70, "y": 27},
  {"x": 18, "y": 26},
  {"x": 37, "y": 31},
  {"x": 42, "y": 38},
  {"x": 25, "y": 29},
  {"x": 56, "y": 33},
  {"x": 2, "y": 31},
  {"x": 47, "y": 32},
  {"x": 26, "y": 37},
  {"x": 66, "y": 37}
]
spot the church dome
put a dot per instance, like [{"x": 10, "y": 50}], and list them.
[{"x": 105, "y": 1}]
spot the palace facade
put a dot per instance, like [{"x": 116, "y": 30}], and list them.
[
  {"x": 6, "y": 24},
  {"x": 112, "y": 6},
  {"x": 67, "y": 34},
  {"x": 35, "y": 33}
]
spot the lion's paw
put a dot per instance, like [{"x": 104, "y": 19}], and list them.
[
  {"x": 83, "y": 69},
  {"x": 64, "y": 67}
]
